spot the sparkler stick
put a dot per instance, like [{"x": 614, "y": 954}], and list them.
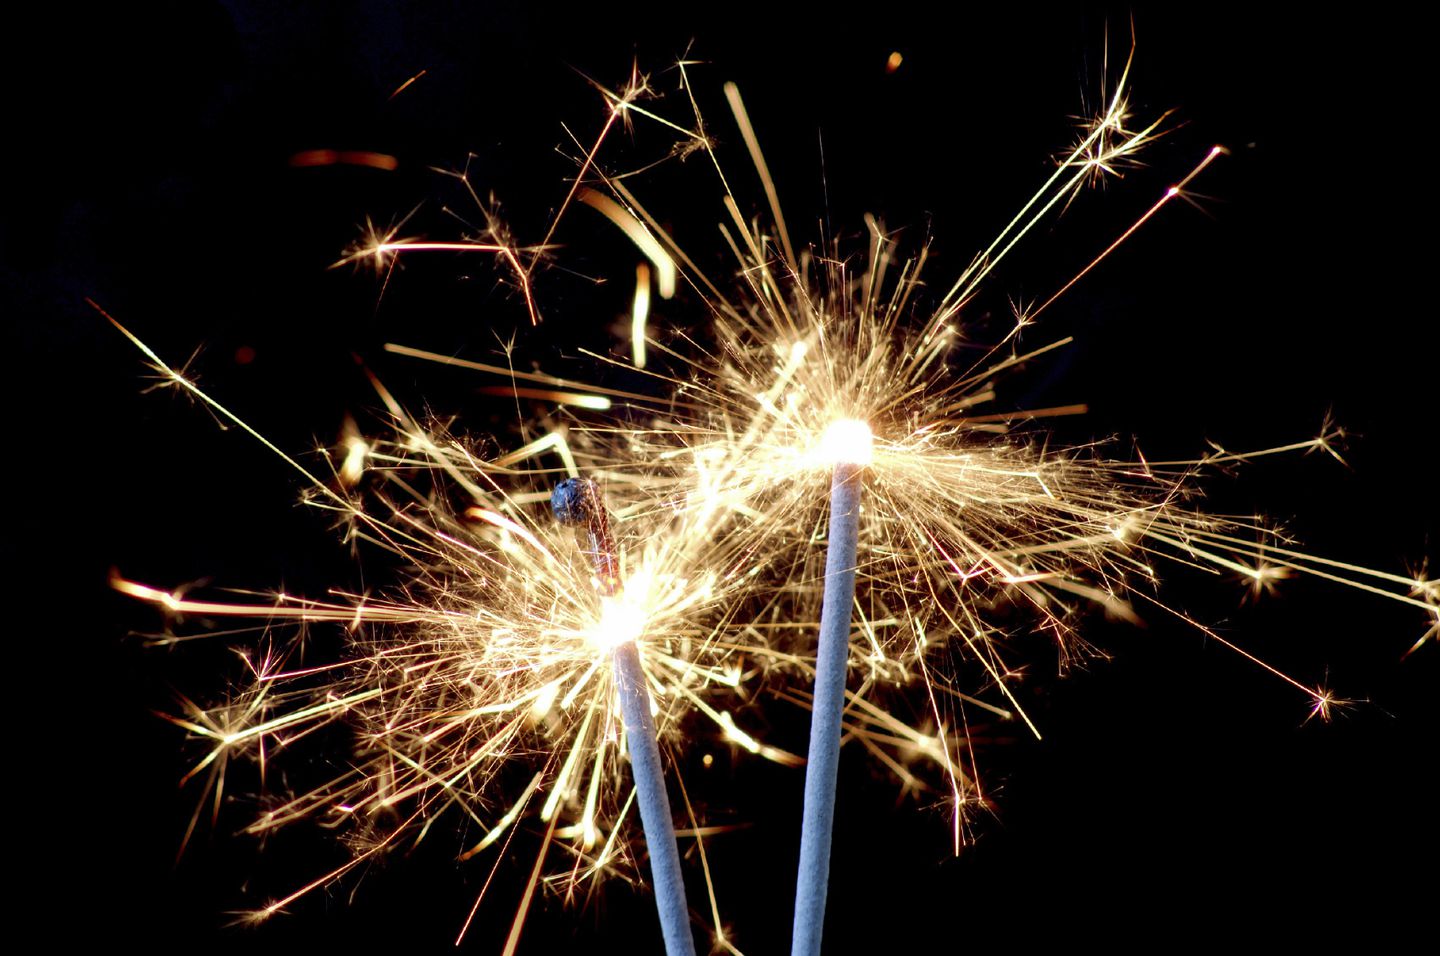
[
  {"x": 849, "y": 441},
  {"x": 576, "y": 502}
]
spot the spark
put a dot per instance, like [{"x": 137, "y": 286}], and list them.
[
  {"x": 345, "y": 157},
  {"x": 639, "y": 314},
  {"x": 381, "y": 251},
  {"x": 637, "y": 233},
  {"x": 406, "y": 85},
  {"x": 1177, "y": 190},
  {"x": 352, "y": 469},
  {"x": 598, "y": 403}
]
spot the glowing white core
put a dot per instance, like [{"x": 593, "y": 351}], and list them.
[
  {"x": 620, "y": 623},
  {"x": 848, "y": 441}
]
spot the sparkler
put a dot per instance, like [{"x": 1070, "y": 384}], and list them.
[
  {"x": 1001, "y": 521},
  {"x": 499, "y": 652},
  {"x": 577, "y": 502}
]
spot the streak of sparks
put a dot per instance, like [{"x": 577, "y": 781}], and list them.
[
  {"x": 637, "y": 233},
  {"x": 639, "y": 315},
  {"x": 406, "y": 85}
]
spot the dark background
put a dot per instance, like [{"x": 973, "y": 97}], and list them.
[{"x": 1178, "y": 793}]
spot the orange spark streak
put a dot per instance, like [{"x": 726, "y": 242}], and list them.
[
  {"x": 1171, "y": 193},
  {"x": 406, "y": 85}
]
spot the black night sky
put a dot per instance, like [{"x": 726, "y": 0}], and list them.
[{"x": 1178, "y": 794}]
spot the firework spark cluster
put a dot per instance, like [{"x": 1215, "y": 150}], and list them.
[{"x": 481, "y": 689}]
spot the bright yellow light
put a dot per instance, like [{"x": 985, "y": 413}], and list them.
[
  {"x": 353, "y": 468},
  {"x": 638, "y": 316},
  {"x": 846, "y": 441},
  {"x": 620, "y": 623},
  {"x": 665, "y": 271}
]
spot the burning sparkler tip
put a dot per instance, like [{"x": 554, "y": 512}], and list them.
[
  {"x": 574, "y": 501},
  {"x": 848, "y": 441}
]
